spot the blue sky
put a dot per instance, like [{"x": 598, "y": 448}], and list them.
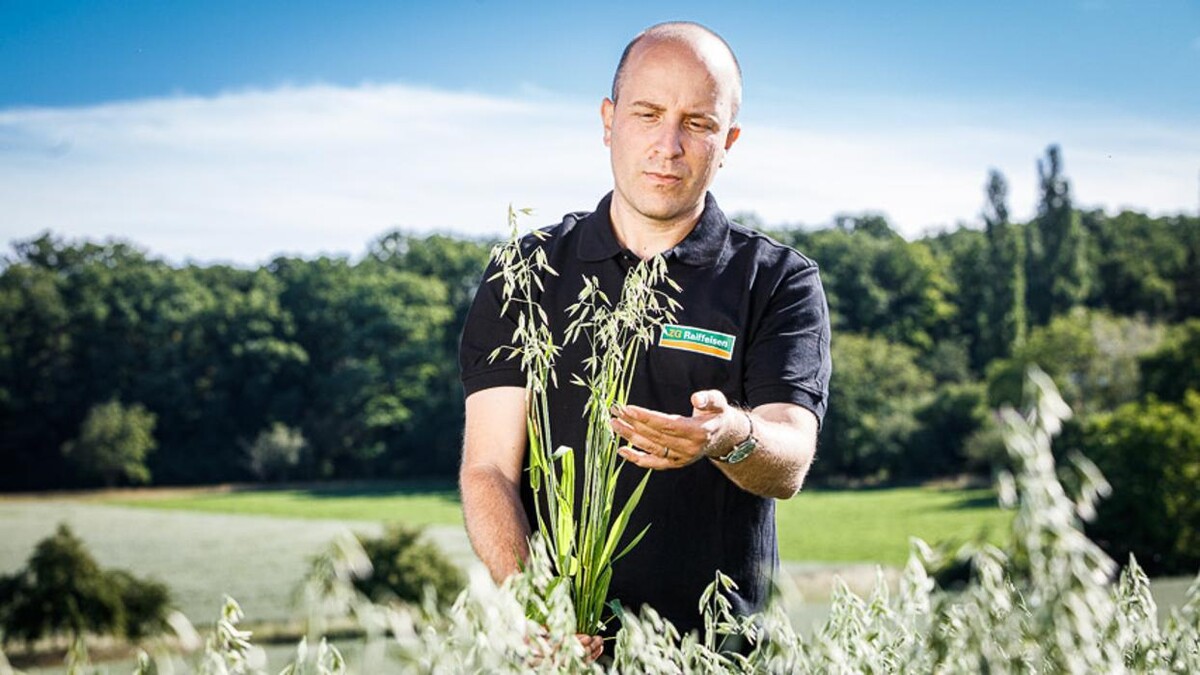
[{"x": 236, "y": 130}]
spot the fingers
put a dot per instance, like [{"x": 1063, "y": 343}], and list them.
[
  {"x": 666, "y": 441},
  {"x": 651, "y": 431},
  {"x": 644, "y": 437},
  {"x": 649, "y": 461},
  {"x": 655, "y": 424},
  {"x": 655, "y": 451},
  {"x": 659, "y": 428},
  {"x": 712, "y": 400},
  {"x": 592, "y": 644}
]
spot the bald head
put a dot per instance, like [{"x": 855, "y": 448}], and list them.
[{"x": 703, "y": 42}]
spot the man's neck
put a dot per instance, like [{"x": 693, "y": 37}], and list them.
[{"x": 647, "y": 237}]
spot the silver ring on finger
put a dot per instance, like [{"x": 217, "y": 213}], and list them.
[{"x": 666, "y": 451}]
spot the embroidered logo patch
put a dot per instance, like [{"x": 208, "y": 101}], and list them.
[{"x": 691, "y": 339}]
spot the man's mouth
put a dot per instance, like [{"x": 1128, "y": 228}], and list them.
[{"x": 662, "y": 178}]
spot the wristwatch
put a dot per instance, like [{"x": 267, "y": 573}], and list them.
[{"x": 741, "y": 450}]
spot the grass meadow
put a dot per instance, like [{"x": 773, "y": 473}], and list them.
[
  {"x": 874, "y": 525},
  {"x": 856, "y": 526}
]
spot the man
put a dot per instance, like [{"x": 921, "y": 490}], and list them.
[{"x": 724, "y": 407}]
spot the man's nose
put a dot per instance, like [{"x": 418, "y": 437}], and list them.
[{"x": 668, "y": 140}]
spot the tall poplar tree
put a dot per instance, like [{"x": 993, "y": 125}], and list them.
[
  {"x": 1057, "y": 272},
  {"x": 1005, "y": 315}
]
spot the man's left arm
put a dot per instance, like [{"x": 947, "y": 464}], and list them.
[
  {"x": 786, "y": 435},
  {"x": 786, "y": 381}
]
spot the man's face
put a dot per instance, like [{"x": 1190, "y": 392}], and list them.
[{"x": 668, "y": 130}]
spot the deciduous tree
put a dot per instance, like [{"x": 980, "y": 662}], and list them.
[{"x": 113, "y": 443}]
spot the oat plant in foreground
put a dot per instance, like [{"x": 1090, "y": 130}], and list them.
[{"x": 583, "y": 537}]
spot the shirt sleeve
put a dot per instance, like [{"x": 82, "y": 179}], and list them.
[
  {"x": 788, "y": 360},
  {"x": 485, "y": 330}
]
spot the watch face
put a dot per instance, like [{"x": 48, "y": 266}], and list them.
[{"x": 741, "y": 451}]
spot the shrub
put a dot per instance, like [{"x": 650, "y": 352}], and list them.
[
  {"x": 1092, "y": 356},
  {"x": 113, "y": 443},
  {"x": 938, "y": 448},
  {"x": 145, "y": 603},
  {"x": 63, "y": 589},
  {"x": 275, "y": 452},
  {"x": 984, "y": 449},
  {"x": 404, "y": 565},
  {"x": 873, "y": 404},
  {"x": 1174, "y": 367},
  {"x": 1151, "y": 451}
]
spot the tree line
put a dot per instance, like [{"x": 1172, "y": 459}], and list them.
[
  {"x": 930, "y": 335},
  {"x": 354, "y": 362},
  {"x": 116, "y": 367}
]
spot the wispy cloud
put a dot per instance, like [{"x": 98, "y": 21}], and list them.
[{"x": 247, "y": 175}]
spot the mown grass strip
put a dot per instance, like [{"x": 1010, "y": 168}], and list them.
[{"x": 422, "y": 504}]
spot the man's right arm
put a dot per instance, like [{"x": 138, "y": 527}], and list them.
[{"x": 490, "y": 478}]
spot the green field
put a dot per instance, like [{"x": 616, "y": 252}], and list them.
[
  {"x": 875, "y": 525},
  {"x": 414, "y": 503},
  {"x": 871, "y": 525}
]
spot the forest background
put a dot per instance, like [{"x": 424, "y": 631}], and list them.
[{"x": 118, "y": 368}]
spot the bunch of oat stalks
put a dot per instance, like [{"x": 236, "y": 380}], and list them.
[{"x": 583, "y": 541}]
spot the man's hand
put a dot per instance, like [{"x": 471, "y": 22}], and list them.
[
  {"x": 661, "y": 441},
  {"x": 593, "y": 648},
  {"x": 592, "y": 644},
  {"x": 786, "y": 434}
]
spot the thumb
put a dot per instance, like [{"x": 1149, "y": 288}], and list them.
[{"x": 711, "y": 400}]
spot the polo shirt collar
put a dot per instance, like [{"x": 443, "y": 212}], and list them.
[{"x": 702, "y": 246}]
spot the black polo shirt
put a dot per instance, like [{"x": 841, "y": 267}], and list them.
[{"x": 754, "y": 324}]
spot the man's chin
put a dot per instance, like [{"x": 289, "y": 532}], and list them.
[{"x": 668, "y": 211}]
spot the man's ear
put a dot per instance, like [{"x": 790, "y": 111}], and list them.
[
  {"x": 732, "y": 136},
  {"x": 606, "y": 116}
]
